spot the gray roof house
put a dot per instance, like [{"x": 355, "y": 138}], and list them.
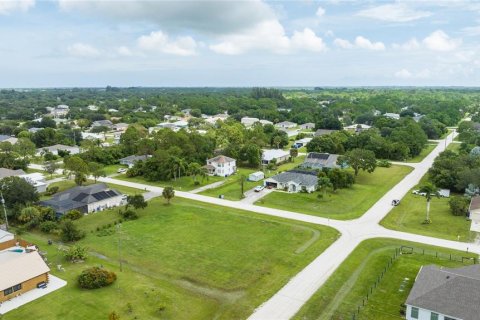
[
  {"x": 445, "y": 294},
  {"x": 322, "y": 132},
  {"x": 5, "y": 138},
  {"x": 86, "y": 199},
  {"x": 5, "y": 173},
  {"x": 307, "y": 126},
  {"x": 316, "y": 160},
  {"x": 130, "y": 160},
  {"x": 102, "y": 123},
  {"x": 293, "y": 181}
]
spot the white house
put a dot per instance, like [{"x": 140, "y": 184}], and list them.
[
  {"x": 131, "y": 160},
  {"x": 37, "y": 180},
  {"x": 248, "y": 122},
  {"x": 294, "y": 181},
  {"x": 394, "y": 116},
  {"x": 92, "y": 107},
  {"x": 5, "y": 138},
  {"x": 307, "y": 126},
  {"x": 445, "y": 294},
  {"x": 256, "y": 176},
  {"x": 55, "y": 148},
  {"x": 278, "y": 154},
  {"x": 265, "y": 122},
  {"x": 60, "y": 111},
  {"x": 357, "y": 127},
  {"x": 286, "y": 125},
  {"x": 221, "y": 166}
]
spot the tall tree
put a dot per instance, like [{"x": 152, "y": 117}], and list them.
[
  {"x": 360, "y": 159},
  {"x": 430, "y": 191},
  {"x": 168, "y": 193}
]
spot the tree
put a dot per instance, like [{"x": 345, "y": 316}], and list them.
[
  {"x": 50, "y": 167},
  {"x": 25, "y": 147},
  {"x": 360, "y": 159},
  {"x": 29, "y": 214},
  {"x": 430, "y": 191},
  {"x": 69, "y": 232},
  {"x": 17, "y": 193},
  {"x": 459, "y": 205},
  {"x": 95, "y": 277},
  {"x": 76, "y": 253},
  {"x": 137, "y": 201},
  {"x": 195, "y": 169},
  {"x": 78, "y": 167},
  {"x": 324, "y": 184},
  {"x": 168, "y": 193},
  {"x": 252, "y": 154},
  {"x": 293, "y": 153},
  {"x": 96, "y": 170}
]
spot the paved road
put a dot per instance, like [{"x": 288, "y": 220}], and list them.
[{"x": 286, "y": 302}]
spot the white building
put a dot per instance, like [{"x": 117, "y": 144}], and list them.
[
  {"x": 221, "y": 166},
  {"x": 37, "y": 180},
  {"x": 92, "y": 107},
  {"x": 294, "y": 181},
  {"x": 55, "y": 148},
  {"x": 248, "y": 122},
  {"x": 286, "y": 125},
  {"x": 278, "y": 154},
  {"x": 394, "y": 116},
  {"x": 256, "y": 176}
]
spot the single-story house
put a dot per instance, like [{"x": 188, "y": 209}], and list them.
[
  {"x": 445, "y": 294},
  {"x": 474, "y": 213},
  {"x": 278, "y": 154},
  {"x": 248, "y": 122},
  {"x": 256, "y": 176},
  {"x": 86, "y": 199},
  {"x": 301, "y": 143},
  {"x": 322, "y": 132},
  {"x": 317, "y": 160},
  {"x": 265, "y": 122},
  {"x": 92, "y": 136},
  {"x": 120, "y": 127},
  {"x": 5, "y": 138},
  {"x": 4, "y": 173},
  {"x": 34, "y": 129},
  {"x": 358, "y": 127},
  {"x": 130, "y": 160},
  {"x": 22, "y": 270},
  {"x": 394, "y": 116},
  {"x": 286, "y": 125},
  {"x": 92, "y": 107},
  {"x": 55, "y": 148},
  {"x": 59, "y": 111},
  {"x": 180, "y": 124},
  {"x": 293, "y": 181},
  {"x": 102, "y": 123},
  {"x": 37, "y": 180},
  {"x": 307, "y": 126},
  {"x": 221, "y": 166}
]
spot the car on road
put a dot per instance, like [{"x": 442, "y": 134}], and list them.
[
  {"x": 121, "y": 170},
  {"x": 259, "y": 188},
  {"x": 395, "y": 202}
]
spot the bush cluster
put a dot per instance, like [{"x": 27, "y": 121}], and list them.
[{"x": 93, "y": 278}]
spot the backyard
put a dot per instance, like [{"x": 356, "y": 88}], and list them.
[
  {"x": 344, "y": 204},
  {"x": 346, "y": 289},
  {"x": 219, "y": 263}
]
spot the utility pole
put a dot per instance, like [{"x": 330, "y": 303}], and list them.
[{"x": 4, "y": 211}]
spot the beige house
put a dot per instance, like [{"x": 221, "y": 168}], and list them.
[{"x": 474, "y": 212}]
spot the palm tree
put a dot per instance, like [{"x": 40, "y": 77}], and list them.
[
  {"x": 430, "y": 191},
  {"x": 194, "y": 169}
]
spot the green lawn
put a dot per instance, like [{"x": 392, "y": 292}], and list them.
[
  {"x": 232, "y": 190},
  {"x": 188, "y": 260},
  {"x": 182, "y": 184},
  {"x": 425, "y": 152},
  {"x": 455, "y": 147},
  {"x": 345, "y": 203},
  {"x": 339, "y": 297},
  {"x": 112, "y": 169},
  {"x": 410, "y": 214}
]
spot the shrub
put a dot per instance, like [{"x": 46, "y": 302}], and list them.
[
  {"x": 76, "y": 253},
  {"x": 384, "y": 163},
  {"x": 48, "y": 226},
  {"x": 129, "y": 214},
  {"x": 93, "y": 278},
  {"x": 459, "y": 205},
  {"x": 70, "y": 232},
  {"x": 51, "y": 190},
  {"x": 73, "y": 215}
]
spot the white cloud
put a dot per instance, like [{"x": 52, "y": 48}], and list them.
[
  {"x": 268, "y": 36},
  {"x": 124, "y": 51},
  {"x": 410, "y": 45},
  {"x": 320, "y": 12},
  {"x": 157, "y": 41},
  {"x": 8, "y": 6},
  {"x": 83, "y": 50},
  {"x": 397, "y": 12},
  {"x": 364, "y": 43},
  {"x": 471, "y": 31},
  {"x": 342, "y": 43},
  {"x": 440, "y": 41},
  {"x": 403, "y": 74},
  {"x": 406, "y": 74}
]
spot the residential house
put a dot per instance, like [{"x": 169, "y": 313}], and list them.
[
  {"x": 5, "y": 138},
  {"x": 307, "y": 126},
  {"x": 278, "y": 155},
  {"x": 301, "y": 143},
  {"x": 55, "y": 148},
  {"x": 248, "y": 122},
  {"x": 86, "y": 199},
  {"x": 441, "y": 293},
  {"x": 59, "y": 111},
  {"x": 22, "y": 269},
  {"x": 131, "y": 160},
  {"x": 215, "y": 118},
  {"x": 285, "y": 125},
  {"x": 180, "y": 124},
  {"x": 474, "y": 213},
  {"x": 294, "y": 181},
  {"x": 318, "y": 161},
  {"x": 122, "y": 127},
  {"x": 92, "y": 136},
  {"x": 111, "y": 110},
  {"x": 102, "y": 123},
  {"x": 34, "y": 130},
  {"x": 265, "y": 122},
  {"x": 221, "y": 166},
  {"x": 357, "y": 128},
  {"x": 4, "y": 173},
  {"x": 394, "y": 116},
  {"x": 322, "y": 132},
  {"x": 37, "y": 180}
]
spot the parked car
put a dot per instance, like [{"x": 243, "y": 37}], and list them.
[
  {"x": 121, "y": 170},
  {"x": 417, "y": 192},
  {"x": 259, "y": 188},
  {"x": 395, "y": 202}
]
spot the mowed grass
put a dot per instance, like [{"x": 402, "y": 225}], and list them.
[
  {"x": 190, "y": 259},
  {"x": 185, "y": 183},
  {"x": 345, "y": 290},
  {"x": 425, "y": 152},
  {"x": 411, "y": 212},
  {"x": 345, "y": 203},
  {"x": 231, "y": 189}
]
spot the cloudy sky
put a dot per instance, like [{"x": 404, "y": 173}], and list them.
[{"x": 239, "y": 43}]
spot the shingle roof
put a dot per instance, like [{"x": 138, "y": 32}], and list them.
[
  {"x": 316, "y": 160},
  {"x": 4, "y": 173},
  {"x": 453, "y": 292},
  {"x": 221, "y": 159},
  {"x": 300, "y": 177},
  {"x": 134, "y": 158},
  {"x": 16, "y": 268},
  {"x": 321, "y": 132}
]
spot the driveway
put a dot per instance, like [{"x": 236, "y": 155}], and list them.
[{"x": 251, "y": 196}]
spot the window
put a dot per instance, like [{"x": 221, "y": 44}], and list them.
[
  {"x": 414, "y": 313},
  {"x": 8, "y": 291},
  {"x": 17, "y": 287},
  {"x": 433, "y": 316},
  {"x": 448, "y": 318}
]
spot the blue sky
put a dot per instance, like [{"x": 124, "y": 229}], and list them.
[{"x": 239, "y": 43}]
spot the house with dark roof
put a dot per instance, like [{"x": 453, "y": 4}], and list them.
[
  {"x": 102, "y": 123},
  {"x": 322, "y": 132},
  {"x": 294, "y": 181},
  {"x": 445, "y": 294},
  {"x": 86, "y": 199},
  {"x": 221, "y": 166},
  {"x": 318, "y": 161},
  {"x": 131, "y": 160}
]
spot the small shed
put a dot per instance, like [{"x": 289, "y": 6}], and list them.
[{"x": 256, "y": 176}]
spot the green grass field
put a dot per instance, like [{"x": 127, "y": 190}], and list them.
[
  {"x": 339, "y": 297},
  {"x": 425, "y": 152},
  {"x": 455, "y": 147},
  {"x": 188, "y": 260},
  {"x": 112, "y": 169},
  {"x": 411, "y": 212},
  {"x": 345, "y": 203},
  {"x": 182, "y": 183}
]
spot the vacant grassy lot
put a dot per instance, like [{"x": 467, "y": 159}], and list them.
[
  {"x": 339, "y": 297},
  {"x": 425, "y": 152},
  {"x": 183, "y": 183},
  {"x": 411, "y": 212},
  {"x": 112, "y": 169},
  {"x": 345, "y": 203},
  {"x": 188, "y": 260}
]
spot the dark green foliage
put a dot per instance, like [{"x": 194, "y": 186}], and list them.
[
  {"x": 459, "y": 205},
  {"x": 48, "y": 226},
  {"x": 69, "y": 232},
  {"x": 94, "y": 278},
  {"x": 73, "y": 215},
  {"x": 129, "y": 214},
  {"x": 137, "y": 201}
]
